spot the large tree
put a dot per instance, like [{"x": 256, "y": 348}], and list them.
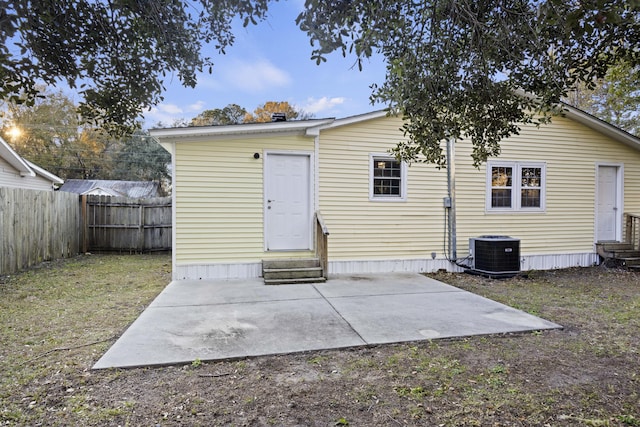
[
  {"x": 264, "y": 113},
  {"x": 232, "y": 114},
  {"x": 39, "y": 132},
  {"x": 141, "y": 158},
  {"x": 614, "y": 98},
  {"x": 50, "y": 134},
  {"x": 116, "y": 52},
  {"x": 478, "y": 70},
  {"x": 455, "y": 68}
]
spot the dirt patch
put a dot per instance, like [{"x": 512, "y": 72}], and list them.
[{"x": 55, "y": 322}]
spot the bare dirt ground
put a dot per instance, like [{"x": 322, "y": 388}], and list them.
[{"x": 58, "y": 319}]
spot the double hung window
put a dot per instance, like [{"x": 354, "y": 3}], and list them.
[
  {"x": 387, "y": 178},
  {"x": 515, "y": 187}
]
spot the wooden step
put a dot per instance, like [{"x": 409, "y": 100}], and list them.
[
  {"x": 292, "y": 271},
  {"x": 630, "y": 261},
  {"x": 610, "y": 247},
  {"x": 626, "y": 254},
  {"x": 616, "y": 250},
  {"x": 290, "y": 263},
  {"x": 294, "y": 281}
]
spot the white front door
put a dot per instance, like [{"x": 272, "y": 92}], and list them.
[
  {"x": 607, "y": 210},
  {"x": 287, "y": 201}
]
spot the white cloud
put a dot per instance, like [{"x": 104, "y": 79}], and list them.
[
  {"x": 165, "y": 113},
  {"x": 197, "y": 106},
  {"x": 315, "y": 106},
  {"x": 168, "y": 114},
  {"x": 169, "y": 108},
  {"x": 255, "y": 76}
]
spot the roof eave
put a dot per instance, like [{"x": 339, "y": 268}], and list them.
[
  {"x": 601, "y": 126},
  {"x": 11, "y": 157},
  {"x": 45, "y": 174},
  {"x": 177, "y": 134}
]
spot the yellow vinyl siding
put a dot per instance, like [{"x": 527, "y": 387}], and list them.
[
  {"x": 219, "y": 198},
  {"x": 219, "y": 194},
  {"x": 571, "y": 152},
  {"x": 361, "y": 229}
]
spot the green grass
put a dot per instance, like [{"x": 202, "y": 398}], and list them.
[{"x": 57, "y": 320}]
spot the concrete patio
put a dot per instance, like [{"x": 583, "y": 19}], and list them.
[{"x": 213, "y": 320}]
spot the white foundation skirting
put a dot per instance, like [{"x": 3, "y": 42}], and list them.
[
  {"x": 556, "y": 261},
  {"x": 392, "y": 266},
  {"x": 254, "y": 269},
  {"x": 244, "y": 270}
]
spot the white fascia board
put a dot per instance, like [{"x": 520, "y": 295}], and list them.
[
  {"x": 109, "y": 191},
  {"x": 595, "y": 123},
  {"x": 176, "y": 134},
  {"x": 45, "y": 174},
  {"x": 168, "y": 146},
  {"x": 314, "y": 131},
  {"x": 7, "y": 153},
  {"x": 601, "y": 126}
]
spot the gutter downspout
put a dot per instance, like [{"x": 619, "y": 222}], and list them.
[{"x": 451, "y": 195}]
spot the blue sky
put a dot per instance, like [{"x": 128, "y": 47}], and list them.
[{"x": 271, "y": 62}]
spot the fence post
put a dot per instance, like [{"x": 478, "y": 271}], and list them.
[
  {"x": 141, "y": 229},
  {"x": 84, "y": 226}
]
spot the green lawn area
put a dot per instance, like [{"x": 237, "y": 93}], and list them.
[{"x": 58, "y": 319}]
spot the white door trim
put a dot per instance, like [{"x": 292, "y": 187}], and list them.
[
  {"x": 311, "y": 198},
  {"x": 619, "y": 198}
]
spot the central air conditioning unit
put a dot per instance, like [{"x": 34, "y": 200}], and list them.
[{"x": 494, "y": 256}]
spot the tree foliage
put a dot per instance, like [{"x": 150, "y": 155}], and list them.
[
  {"x": 455, "y": 68},
  {"x": 232, "y": 114},
  {"x": 141, "y": 158},
  {"x": 117, "y": 52},
  {"x": 614, "y": 98},
  {"x": 52, "y": 136},
  {"x": 459, "y": 68},
  {"x": 264, "y": 112}
]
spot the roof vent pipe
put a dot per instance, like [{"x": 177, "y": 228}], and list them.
[{"x": 278, "y": 117}]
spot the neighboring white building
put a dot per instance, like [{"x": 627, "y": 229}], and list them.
[
  {"x": 16, "y": 172},
  {"x": 114, "y": 188}
]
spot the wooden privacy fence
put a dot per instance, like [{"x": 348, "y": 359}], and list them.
[
  {"x": 36, "y": 226},
  {"x": 122, "y": 224}
]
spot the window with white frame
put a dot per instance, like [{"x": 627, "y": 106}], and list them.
[
  {"x": 387, "y": 178},
  {"x": 515, "y": 187}
]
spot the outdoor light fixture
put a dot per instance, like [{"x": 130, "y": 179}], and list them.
[{"x": 256, "y": 156}]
